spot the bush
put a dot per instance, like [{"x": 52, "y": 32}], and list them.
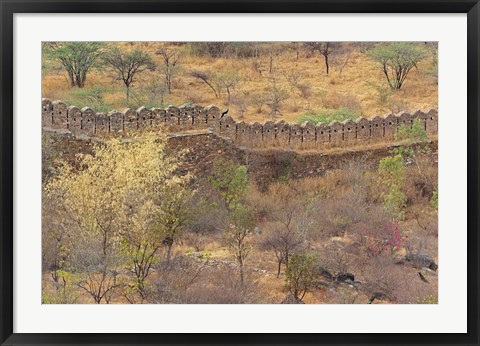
[
  {"x": 434, "y": 200},
  {"x": 428, "y": 299},
  {"x": 392, "y": 175},
  {"x": 395, "y": 202},
  {"x": 300, "y": 274},
  {"x": 225, "y": 49},
  {"x": 149, "y": 95},
  {"x": 91, "y": 97},
  {"x": 327, "y": 115}
]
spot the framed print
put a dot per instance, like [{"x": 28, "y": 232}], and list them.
[{"x": 262, "y": 172}]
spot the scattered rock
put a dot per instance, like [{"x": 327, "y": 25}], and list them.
[
  {"x": 377, "y": 296},
  {"x": 345, "y": 277},
  {"x": 321, "y": 284},
  {"x": 423, "y": 278},
  {"x": 325, "y": 273},
  {"x": 291, "y": 299},
  {"x": 429, "y": 272}
]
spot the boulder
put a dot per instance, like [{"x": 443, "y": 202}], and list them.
[
  {"x": 421, "y": 261},
  {"x": 377, "y": 296},
  {"x": 345, "y": 277}
]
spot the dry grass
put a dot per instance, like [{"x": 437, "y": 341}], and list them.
[{"x": 356, "y": 86}]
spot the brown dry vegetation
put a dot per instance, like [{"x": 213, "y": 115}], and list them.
[
  {"x": 364, "y": 251},
  {"x": 355, "y": 82},
  {"x": 342, "y": 221}
]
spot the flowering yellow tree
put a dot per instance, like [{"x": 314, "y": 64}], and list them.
[{"x": 116, "y": 201}]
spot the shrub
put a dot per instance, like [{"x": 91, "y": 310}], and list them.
[
  {"x": 300, "y": 274},
  {"x": 435, "y": 199},
  {"x": 395, "y": 202},
  {"x": 392, "y": 175},
  {"x": 225, "y": 49},
  {"x": 428, "y": 299},
  {"x": 91, "y": 97},
  {"x": 327, "y": 115}
]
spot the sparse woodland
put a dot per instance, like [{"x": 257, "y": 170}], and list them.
[
  {"x": 256, "y": 81},
  {"x": 125, "y": 222}
]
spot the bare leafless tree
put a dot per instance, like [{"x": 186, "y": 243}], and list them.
[
  {"x": 324, "y": 48},
  {"x": 341, "y": 61},
  {"x": 275, "y": 99},
  {"x": 283, "y": 239},
  {"x": 204, "y": 77},
  {"x": 126, "y": 65},
  {"x": 170, "y": 60},
  {"x": 259, "y": 101},
  {"x": 288, "y": 228},
  {"x": 228, "y": 80},
  {"x": 241, "y": 100},
  {"x": 236, "y": 241}
]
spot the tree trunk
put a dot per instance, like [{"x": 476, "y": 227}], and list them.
[
  {"x": 169, "y": 251},
  {"x": 211, "y": 87},
  {"x": 279, "y": 268},
  {"x": 326, "y": 63},
  {"x": 169, "y": 85},
  {"x": 72, "y": 79},
  {"x": 141, "y": 289},
  {"x": 242, "y": 279}
]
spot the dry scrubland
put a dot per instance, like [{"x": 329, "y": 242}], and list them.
[
  {"x": 355, "y": 82},
  {"x": 133, "y": 223},
  {"x": 362, "y": 233}
]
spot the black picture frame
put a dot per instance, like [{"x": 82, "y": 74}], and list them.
[{"x": 8, "y": 8}]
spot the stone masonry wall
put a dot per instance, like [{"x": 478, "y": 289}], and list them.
[
  {"x": 264, "y": 166},
  {"x": 269, "y": 134}
]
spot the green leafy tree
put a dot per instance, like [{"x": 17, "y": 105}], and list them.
[
  {"x": 396, "y": 201},
  {"x": 77, "y": 58},
  {"x": 151, "y": 226},
  {"x": 414, "y": 148},
  {"x": 231, "y": 181},
  {"x": 126, "y": 65},
  {"x": 413, "y": 139},
  {"x": 397, "y": 59},
  {"x": 300, "y": 274},
  {"x": 174, "y": 213},
  {"x": 241, "y": 223},
  {"x": 392, "y": 175}
]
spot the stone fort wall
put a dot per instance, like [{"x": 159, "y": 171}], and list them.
[{"x": 280, "y": 134}]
